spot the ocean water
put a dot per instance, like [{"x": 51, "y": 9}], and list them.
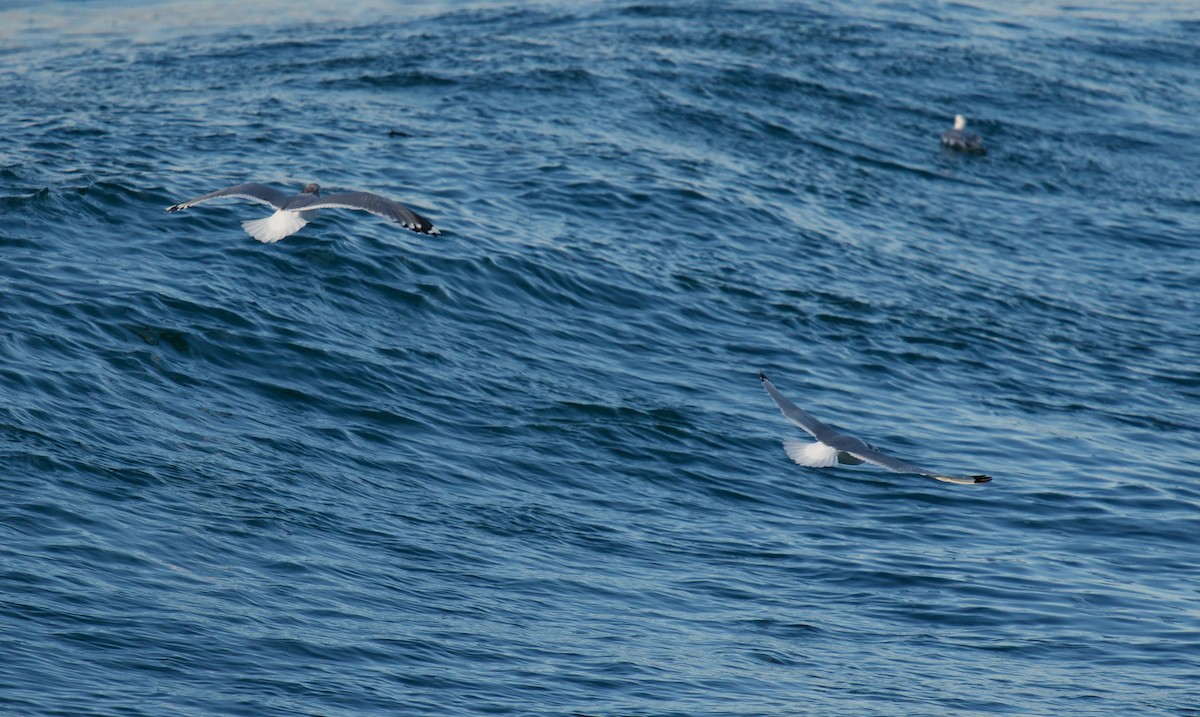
[{"x": 527, "y": 467}]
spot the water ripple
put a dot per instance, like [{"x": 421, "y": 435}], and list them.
[{"x": 527, "y": 466}]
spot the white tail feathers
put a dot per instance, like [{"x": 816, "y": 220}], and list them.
[
  {"x": 813, "y": 455},
  {"x": 275, "y": 227}
]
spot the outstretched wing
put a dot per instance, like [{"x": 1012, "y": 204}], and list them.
[
  {"x": 871, "y": 455},
  {"x": 377, "y": 205},
  {"x": 800, "y": 417},
  {"x": 254, "y": 192}
]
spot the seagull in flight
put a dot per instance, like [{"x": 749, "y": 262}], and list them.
[
  {"x": 833, "y": 447},
  {"x": 959, "y": 138},
  {"x": 293, "y": 212}
]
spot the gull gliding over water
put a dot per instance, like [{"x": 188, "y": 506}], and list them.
[
  {"x": 959, "y": 138},
  {"x": 833, "y": 447},
  {"x": 293, "y": 212}
]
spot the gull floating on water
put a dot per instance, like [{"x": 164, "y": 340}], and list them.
[
  {"x": 833, "y": 447},
  {"x": 293, "y": 212},
  {"x": 962, "y": 140}
]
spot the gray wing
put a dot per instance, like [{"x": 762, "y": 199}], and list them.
[
  {"x": 377, "y": 205},
  {"x": 823, "y": 433},
  {"x": 254, "y": 192},
  {"x": 956, "y": 139},
  {"x": 953, "y": 138},
  {"x": 870, "y": 455},
  {"x": 854, "y": 446}
]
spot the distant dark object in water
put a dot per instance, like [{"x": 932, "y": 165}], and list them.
[
  {"x": 833, "y": 447},
  {"x": 961, "y": 140},
  {"x": 398, "y": 133},
  {"x": 293, "y": 212}
]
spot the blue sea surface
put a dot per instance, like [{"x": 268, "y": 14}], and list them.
[{"x": 527, "y": 467}]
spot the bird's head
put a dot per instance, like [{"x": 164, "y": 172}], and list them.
[
  {"x": 960, "y": 122},
  {"x": 312, "y": 188}
]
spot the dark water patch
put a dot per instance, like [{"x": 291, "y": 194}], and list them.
[{"x": 399, "y": 80}]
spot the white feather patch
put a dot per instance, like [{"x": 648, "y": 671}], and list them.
[
  {"x": 813, "y": 455},
  {"x": 275, "y": 227}
]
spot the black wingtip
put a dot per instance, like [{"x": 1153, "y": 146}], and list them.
[
  {"x": 982, "y": 479},
  {"x": 420, "y": 226},
  {"x": 762, "y": 376}
]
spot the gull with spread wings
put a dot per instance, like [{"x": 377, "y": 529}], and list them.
[
  {"x": 833, "y": 447},
  {"x": 294, "y": 211}
]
